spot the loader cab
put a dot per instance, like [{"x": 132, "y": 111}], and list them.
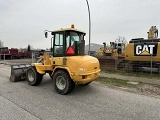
[
  {"x": 120, "y": 46},
  {"x": 68, "y": 42}
]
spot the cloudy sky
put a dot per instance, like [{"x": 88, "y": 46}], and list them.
[{"x": 23, "y": 22}]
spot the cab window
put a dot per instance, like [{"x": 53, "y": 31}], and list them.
[{"x": 58, "y": 45}]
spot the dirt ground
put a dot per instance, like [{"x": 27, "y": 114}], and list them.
[
  {"x": 144, "y": 89},
  {"x": 147, "y": 86}
]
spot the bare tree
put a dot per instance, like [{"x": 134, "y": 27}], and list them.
[
  {"x": 121, "y": 39},
  {"x": 1, "y": 44}
]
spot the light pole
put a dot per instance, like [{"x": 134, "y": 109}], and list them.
[{"x": 89, "y": 25}]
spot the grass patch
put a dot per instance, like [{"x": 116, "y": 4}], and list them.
[
  {"x": 116, "y": 82},
  {"x": 136, "y": 74},
  {"x": 143, "y": 88}
]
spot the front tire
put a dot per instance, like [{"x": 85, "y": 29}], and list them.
[
  {"x": 50, "y": 75},
  {"x": 33, "y": 77},
  {"x": 62, "y": 82}
]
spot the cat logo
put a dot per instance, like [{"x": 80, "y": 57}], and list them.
[{"x": 145, "y": 49}]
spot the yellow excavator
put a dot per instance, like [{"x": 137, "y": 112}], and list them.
[
  {"x": 143, "y": 54},
  {"x": 67, "y": 65}
]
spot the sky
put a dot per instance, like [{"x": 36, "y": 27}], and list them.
[{"x": 22, "y": 22}]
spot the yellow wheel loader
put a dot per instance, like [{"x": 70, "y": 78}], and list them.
[{"x": 66, "y": 64}]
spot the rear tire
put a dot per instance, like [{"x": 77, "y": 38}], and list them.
[
  {"x": 62, "y": 82},
  {"x": 33, "y": 77},
  {"x": 86, "y": 84}
]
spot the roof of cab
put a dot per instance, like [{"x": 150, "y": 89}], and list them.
[{"x": 69, "y": 29}]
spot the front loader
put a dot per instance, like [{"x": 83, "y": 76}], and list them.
[{"x": 66, "y": 64}]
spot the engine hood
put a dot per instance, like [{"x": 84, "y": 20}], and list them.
[{"x": 82, "y": 63}]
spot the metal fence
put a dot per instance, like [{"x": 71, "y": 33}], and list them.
[
  {"x": 4, "y": 57},
  {"x": 148, "y": 67}
]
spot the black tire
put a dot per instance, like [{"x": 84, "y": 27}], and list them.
[
  {"x": 86, "y": 84},
  {"x": 33, "y": 77},
  {"x": 50, "y": 75},
  {"x": 62, "y": 82}
]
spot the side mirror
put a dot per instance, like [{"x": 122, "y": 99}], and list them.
[{"x": 46, "y": 34}]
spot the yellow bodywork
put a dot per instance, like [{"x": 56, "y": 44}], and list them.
[
  {"x": 68, "y": 29},
  {"x": 152, "y": 36},
  {"x": 103, "y": 51},
  {"x": 82, "y": 69},
  {"x": 129, "y": 54},
  {"x": 109, "y": 52}
]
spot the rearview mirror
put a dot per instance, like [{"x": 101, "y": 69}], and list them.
[{"x": 46, "y": 34}]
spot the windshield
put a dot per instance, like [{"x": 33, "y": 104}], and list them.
[{"x": 74, "y": 39}]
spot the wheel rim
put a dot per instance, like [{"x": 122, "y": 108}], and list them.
[
  {"x": 31, "y": 76},
  {"x": 60, "y": 82}
]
